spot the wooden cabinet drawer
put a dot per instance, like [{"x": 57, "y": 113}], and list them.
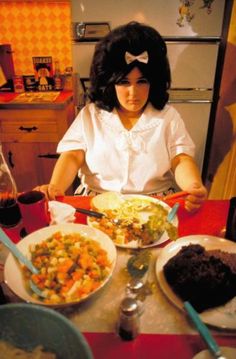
[
  {"x": 29, "y": 114},
  {"x": 30, "y": 134},
  {"x": 29, "y": 131}
]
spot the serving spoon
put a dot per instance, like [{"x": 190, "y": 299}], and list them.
[
  {"x": 203, "y": 331},
  {"x": 22, "y": 258},
  {"x": 15, "y": 251}
]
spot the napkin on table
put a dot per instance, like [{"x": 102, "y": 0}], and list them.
[{"x": 61, "y": 212}]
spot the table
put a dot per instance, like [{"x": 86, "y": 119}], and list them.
[{"x": 166, "y": 332}]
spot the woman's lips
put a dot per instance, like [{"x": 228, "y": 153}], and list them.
[{"x": 133, "y": 102}]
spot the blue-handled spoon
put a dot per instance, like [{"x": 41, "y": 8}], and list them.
[
  {"x": 15, "y": 251},
  {"x": 173, "y": 211},
  {"x": 22, "y": 258},
  {"x": 203, "y": 331}
]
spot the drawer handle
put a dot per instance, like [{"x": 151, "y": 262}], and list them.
[
  {"x": 28, "y": 129},
  {"x": 10, "y": 156},
  {"x": 49, "y": 155}
]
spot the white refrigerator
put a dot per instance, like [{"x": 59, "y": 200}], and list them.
[{"x": 193, "y": 33}]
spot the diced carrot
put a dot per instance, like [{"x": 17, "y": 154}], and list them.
[
  {"x": 41, "y": 285},
  {"x": 67, "y": 286},
  {"x": 57, "y": 235},
  {"x": 77, "y": 275},
  {"x": 65, "y": 266},
  {"x": 37, "y": 278},
  {"x": 60, "y": 245},
  {"x": 61, "y": 276},
  {"x": 85, "y": 261},
  {"x": 85, "y": 288},
  {"x": 88, "y": 287},
  {"x": 96, "y": 285},
  {"x": 75, "y": 251},
  {"x": 102, "y": 261},
  {"x": 94, "y": 274}
]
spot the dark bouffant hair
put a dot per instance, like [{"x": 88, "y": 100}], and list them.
[{"x": 109, "y": 65}]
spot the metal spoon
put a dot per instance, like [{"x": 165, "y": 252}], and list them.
[
  {"x": 36, "y": 290},
  {"x": 96, "y": 214}
]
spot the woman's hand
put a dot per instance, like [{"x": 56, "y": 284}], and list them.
[
  {"x": 197, "y": 195},
  {"x": 188, "y": 178},
  {"x": 50, "y": 190}
]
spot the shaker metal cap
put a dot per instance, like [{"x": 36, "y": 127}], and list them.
[
  {"x": 129, "y": 306},
  {"x": 135, "y": 285}
]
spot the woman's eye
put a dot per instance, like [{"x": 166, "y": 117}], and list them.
[
  {"x": 143, "y": 81},
  {"x": 126, "y": 82},
  {"x": 123, "y": 82}
]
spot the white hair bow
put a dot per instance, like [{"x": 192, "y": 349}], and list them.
[{"x": 143, "y": 57}]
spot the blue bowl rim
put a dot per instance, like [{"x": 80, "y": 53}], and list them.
[{"x": 50, "y": 311}]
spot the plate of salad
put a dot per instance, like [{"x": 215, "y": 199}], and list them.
[
  {"x": 74, "y": 262},
  {"x": 133, "y": 221}
]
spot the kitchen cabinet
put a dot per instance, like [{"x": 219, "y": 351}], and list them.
[{"x": 29, "y": 135}]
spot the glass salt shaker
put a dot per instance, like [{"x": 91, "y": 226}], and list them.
[
  {"x": 129, "y": 321},
  {"x": 134, "y": 287}
]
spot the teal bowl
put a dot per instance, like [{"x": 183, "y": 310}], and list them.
[{"x": 29, "y": 325}]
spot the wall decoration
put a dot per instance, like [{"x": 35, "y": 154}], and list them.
[
  {"x": 186, "y": 14},
  {"x": 43, "y": 73},
  {"x": 36, "y": 28},
  {"x": 207, "y": 5}
]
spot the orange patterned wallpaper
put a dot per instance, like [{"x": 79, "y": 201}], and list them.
[{"x": 36, "y": 29}]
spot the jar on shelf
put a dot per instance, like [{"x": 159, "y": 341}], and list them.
[
  {"x": 58, "y": 78},
  {"x": 18, "y": 84}
]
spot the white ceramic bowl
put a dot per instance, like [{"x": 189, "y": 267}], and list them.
[{"x": 12, "y": 270}]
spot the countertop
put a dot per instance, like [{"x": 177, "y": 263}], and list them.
[{"x": 35, "y": 100}]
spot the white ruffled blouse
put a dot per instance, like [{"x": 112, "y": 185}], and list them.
[{"x": 127, "y": 161}]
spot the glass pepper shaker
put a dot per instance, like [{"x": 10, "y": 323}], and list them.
[{"x": 129, "y": 321}]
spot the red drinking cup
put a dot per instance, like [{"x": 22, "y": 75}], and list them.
[{"x": 34, "y": 210}]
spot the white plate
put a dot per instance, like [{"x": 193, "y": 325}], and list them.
[
  {"x": 12, "y": 270},
  {"x": 223, "y": 316},
  {"x": 229, "y": 353},
  {"x": 144, "y": 215}
]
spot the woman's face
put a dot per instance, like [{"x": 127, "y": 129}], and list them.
[{"x": 132, "y": 92}]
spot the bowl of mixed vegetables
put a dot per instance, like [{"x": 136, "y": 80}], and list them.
[{"x": 74, "y": 261}]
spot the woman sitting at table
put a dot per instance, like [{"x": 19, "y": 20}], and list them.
[{"x": 128, "y": 139}]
